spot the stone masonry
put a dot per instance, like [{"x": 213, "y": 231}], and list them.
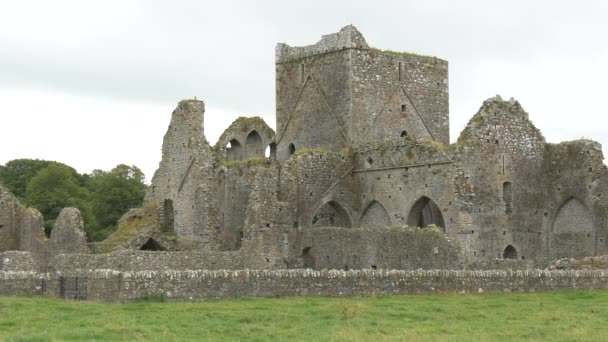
[{"x": 360, "y": 174}]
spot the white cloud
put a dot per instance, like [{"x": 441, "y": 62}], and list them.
[{"x": 93, "y": 84}]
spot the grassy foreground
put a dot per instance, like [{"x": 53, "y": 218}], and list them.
[{"x": 561, "y": 316}]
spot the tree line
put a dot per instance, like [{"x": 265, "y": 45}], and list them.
[{"x": 49, "y": 186}]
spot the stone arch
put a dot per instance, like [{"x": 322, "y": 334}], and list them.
[
  {"x": 271, "y": 151},
  {"x": 332, "y": 214},
  {"x": 509, "y": 253},
  {"x": 307, "y": 258},
  {"x": 152, "y": 245},
  {"x": 572, "y": 231},
  {"x": 292, "y": 149},
  {"x": 254, "y": 148},
  {"x": 234, "y": 150},
  {"x": 424, "y": 213},
  {"x": 375, "y": 215}
]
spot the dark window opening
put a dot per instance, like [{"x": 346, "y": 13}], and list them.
[
  {"x": 403, "y": 108},
  {"x": 424, "y": 213},
  {"x": 152, "y": 245},
  {"x": 510, "y": 253},
  {"x": 374, "y": 267},
  {"x": 168, "y": 216},
  {"x": 370, "y": 161},
  {"x": 404, "y": 134},
  {"x": 292, "y": 149},
  {"x": 332, "y": 214},
  {"x": 507, "y": 196}
]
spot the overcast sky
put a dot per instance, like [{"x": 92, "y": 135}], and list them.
[{"x": 92, "y": 83}]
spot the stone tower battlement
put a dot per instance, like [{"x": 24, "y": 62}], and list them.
[
  {"x": 340, "y": 92},
  {"x": 348, "y": 37}
]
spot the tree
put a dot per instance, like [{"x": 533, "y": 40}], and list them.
[
  {"x": 113, "y": 194},
  {"x": 102, "y": 196},
  {"x": 16, "y": 174},
  {"x": 54, "y": 188}
]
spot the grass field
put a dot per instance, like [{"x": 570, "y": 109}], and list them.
[{"x": 561, "y": 316}]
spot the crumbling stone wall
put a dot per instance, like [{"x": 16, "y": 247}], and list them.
[
  {"x": 360, "y": 159},
  {"x": 114, "y": 286},
  {"x": 22, "y": 230},
  {"x": 575, "y": 209},
  {"x": 68, "y": 234},
  {"x": 185, "y": 170},
  {"x": 313, "y": 104},
  {"x": 362, "y": 141},
  {"x": 15, "y": 261},
  {"x": 501, "y": 153},
  {"x": 347, "y": 93},
  {"x": 397, "y": 93},
  {"x": 401, "y": 174},
  {"x": 386, "y": 248},
  {"x": 133, "y": 261},
  {"x": 248, "y": 138}
]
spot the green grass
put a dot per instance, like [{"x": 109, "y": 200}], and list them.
[{"x": 560, "y": 316}]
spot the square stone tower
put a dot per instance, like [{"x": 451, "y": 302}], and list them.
[{"x": 340, "y": 92}]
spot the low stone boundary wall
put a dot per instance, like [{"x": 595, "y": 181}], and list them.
[
  {"x": 124, "y": 261},
  {"x": 114, "y": 286}
]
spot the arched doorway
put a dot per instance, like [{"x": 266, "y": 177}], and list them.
[
  {"x": 332, "y": 214},
  {"x": 271, "y": 151},
  {"x": 424, "y": 213},
  {"x": 375, "y": 215},
  {"x": 510, "y": 253},
  {"x": 253, "y": 146},
  {"x": 152, "y": 245},
  {"x": 573, "y": 231},
  {"x": 234, "y": 150}
]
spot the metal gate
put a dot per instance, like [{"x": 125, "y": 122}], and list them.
[{"x": 73, "y": 288}]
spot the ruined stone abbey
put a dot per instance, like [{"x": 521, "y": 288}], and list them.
[{"x": 360, "y": 174}]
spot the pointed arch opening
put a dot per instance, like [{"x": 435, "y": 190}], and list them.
[
  {"x": 234, "y": 150},
  {"x": 152, "y": 245},
  {"x": 253, "y": 145},
  {"x": 271, "y": 151},
  {"x": 572, "y": 231},
  {"x": 332, "y": 214},
  {"x": 292, "y": 149},
  {"x": 509, "y": 253},
  {"x": 424, "y": 213},
  {"x": 375, "y": 215}
]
